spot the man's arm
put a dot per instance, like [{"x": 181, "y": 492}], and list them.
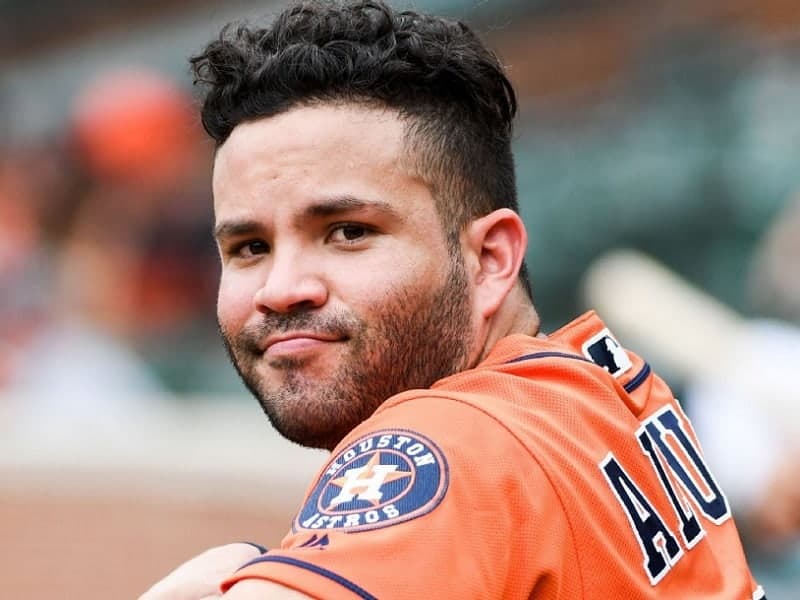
[{"x": 200, "y": 578}]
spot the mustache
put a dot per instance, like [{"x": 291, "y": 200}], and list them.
[{"x": 335, "y": 325}]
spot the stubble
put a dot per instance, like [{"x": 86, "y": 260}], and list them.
[{"x": 413, "y": 338}]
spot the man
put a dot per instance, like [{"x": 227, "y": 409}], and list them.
[{"x": 373, "y": 298}]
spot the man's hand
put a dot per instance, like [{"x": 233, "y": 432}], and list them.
[{"x": 199, "y": 578}]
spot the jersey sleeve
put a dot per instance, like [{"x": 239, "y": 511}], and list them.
[{"x": 432, "y": 497}]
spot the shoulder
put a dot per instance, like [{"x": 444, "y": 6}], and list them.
[{"x": 420, "y": 456}]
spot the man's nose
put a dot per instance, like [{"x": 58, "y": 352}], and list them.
[{"x": 293, "y": 282}]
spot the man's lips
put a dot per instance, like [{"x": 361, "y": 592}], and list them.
[{"x": 297, "y": 341}]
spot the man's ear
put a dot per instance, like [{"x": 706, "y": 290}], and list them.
[{"x": 498, "y": 241}]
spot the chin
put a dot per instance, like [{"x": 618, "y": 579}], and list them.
[
  {"x": 304, "y": 416},
  {"x": 319, "y": 438}
]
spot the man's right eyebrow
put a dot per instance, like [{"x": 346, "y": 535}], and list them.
[{"x": 228, "y": 229}]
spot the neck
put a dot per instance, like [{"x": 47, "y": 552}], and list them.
[{"x": 516, "y": 315}]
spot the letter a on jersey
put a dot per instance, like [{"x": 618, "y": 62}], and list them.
[{"x": 659, "y": 546}]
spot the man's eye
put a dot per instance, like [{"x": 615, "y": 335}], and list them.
[
  {"x": 348, "y": 233},
  {"x": 251, "y": 248}
]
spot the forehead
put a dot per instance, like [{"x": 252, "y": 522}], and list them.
[{"x": 312, "y": 151}]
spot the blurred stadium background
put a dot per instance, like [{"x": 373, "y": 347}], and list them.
[{"x": 126, "y": 442}]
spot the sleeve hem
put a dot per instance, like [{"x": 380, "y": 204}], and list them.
[{"x": 281, "y": 569}]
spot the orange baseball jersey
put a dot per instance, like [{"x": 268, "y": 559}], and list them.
[{"x": 559, "y": 467}]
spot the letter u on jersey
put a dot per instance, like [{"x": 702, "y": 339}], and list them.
[{"x": 687, "y": 483}]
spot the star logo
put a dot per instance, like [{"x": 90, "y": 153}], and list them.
[{"x": 364, "y": 483}]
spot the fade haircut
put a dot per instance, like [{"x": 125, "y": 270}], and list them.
[{"x": 450, "y": 90}]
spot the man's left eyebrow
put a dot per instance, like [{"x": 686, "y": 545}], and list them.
[
  {"x": 344, "y": 204},
  {"x": 228, "y": 229}
]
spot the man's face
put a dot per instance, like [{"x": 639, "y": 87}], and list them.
[{"x": 338, "y": 289}]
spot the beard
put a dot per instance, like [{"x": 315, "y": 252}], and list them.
[{"x": 413, "y": 337}]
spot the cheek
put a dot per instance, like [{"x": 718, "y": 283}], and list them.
[
  {"x": 234, "y": 302},
  {"x": 409, "y": 262},
  {"x": 369, "y": 290},
  {"x": 420, "y": 271},
  {"x": 367, "y": 286}
]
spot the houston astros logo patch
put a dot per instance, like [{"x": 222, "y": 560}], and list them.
[{"x": 381, "y": 479}]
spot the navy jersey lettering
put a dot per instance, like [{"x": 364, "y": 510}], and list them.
[
  {"x": 691, "y": 530},
  {"x": 659, "y": 546},
  {"x": 666, "y": 423},
  {"x": 679, "y": 467}
]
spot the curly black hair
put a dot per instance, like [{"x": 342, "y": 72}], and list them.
[{"x": 451, "y": 90}]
